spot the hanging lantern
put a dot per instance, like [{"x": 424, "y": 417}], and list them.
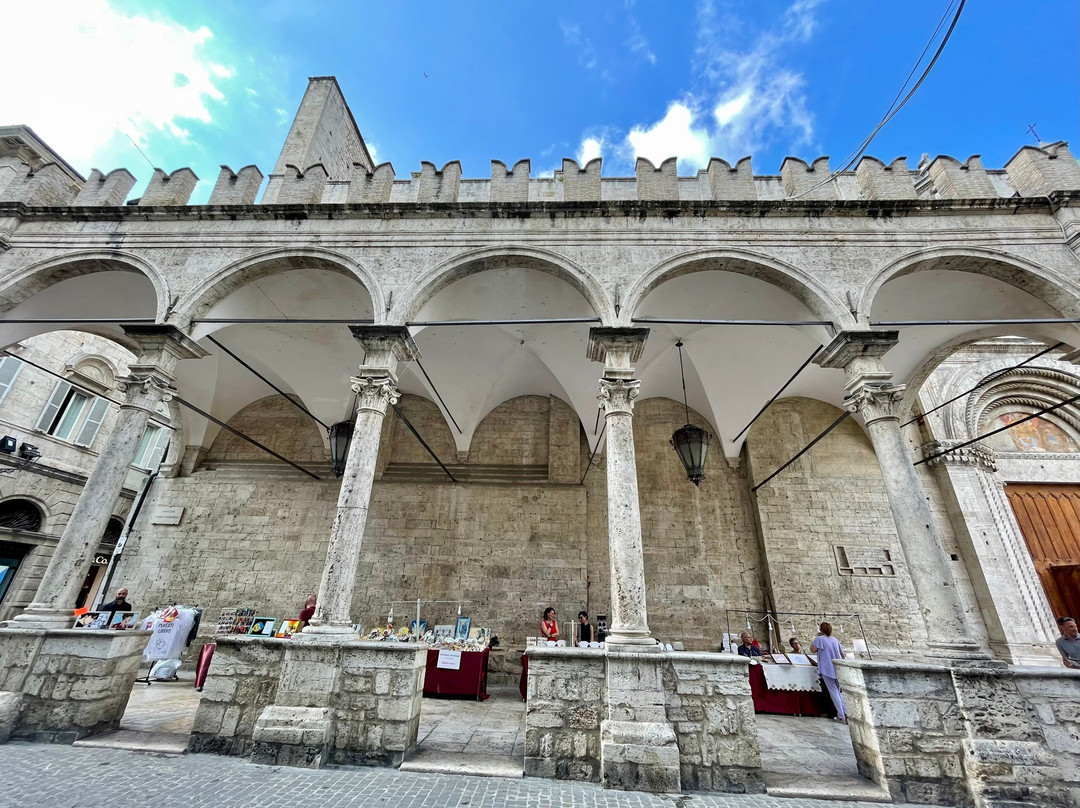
[
  {"x": 690, "y": 442},
  {"x": 340, "y": 437}
]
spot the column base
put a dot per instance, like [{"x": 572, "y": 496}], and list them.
[
  {"x": 956, "y": 650},
  {"x": 328, "y": 632},
  {"x": 43, "y": 619},
  {"x": 639, "y": 756},
  {"x": 638, "y": 638}
]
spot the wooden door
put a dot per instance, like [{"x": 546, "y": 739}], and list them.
[{"x": 1049, "y": 517}]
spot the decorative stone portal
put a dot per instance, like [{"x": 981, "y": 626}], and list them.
[
  {"x": 705, "y": 701},
  {"x": 968, "y": 734},
  {"x": 62, "y": 685},
  {"x": 304, "y": 702}
]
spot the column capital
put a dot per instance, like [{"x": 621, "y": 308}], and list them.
[
  {"x": 375, "y": 393},
  {"x": 617, "y": 395},
  {"x": 975, "y": 455},
  {"x": 848, "y": 346},
  {"x": 873, "y": 398},
  {"x": 617, "y": 348},
  {"x": 384, "y": 347}
]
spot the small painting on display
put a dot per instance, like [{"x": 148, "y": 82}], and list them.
[
  {"x": 412, "y": 627},
  {"x": 446, "y": 630},
  {"x": 462, "y": 630},
  {"x": 288, "y": 628},
  {"x": 262, "y": 626}
]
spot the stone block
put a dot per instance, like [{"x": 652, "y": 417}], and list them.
[
  {"x": 581, "y": 184},
  {"x": 10, "y": 704}
]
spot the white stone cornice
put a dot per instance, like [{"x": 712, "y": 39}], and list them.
[{"x": 972, "y": 455}]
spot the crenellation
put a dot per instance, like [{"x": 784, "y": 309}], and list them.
[
  {"x": 296, "y": 187},
  {"x": 726, "y": 182},
  {"x": 438, "y": 185},
  {"x": 880, "y": 181},
  {"x": 807, "y": 182},
  {"x": 169, "y": 189},
  {"x": 657, "y": 182},
  {"x": 106, "y": 190},
  {"x": 45, "y": 186},
  {"x": 1034, "y": 171},
  {"x": 371, "y": 187},
  {"x": 510, "y": 185},
  {"x": 581, "y": 184},
  {"x": 237, "y": 187},
  {"x": 955, "y": 180}
]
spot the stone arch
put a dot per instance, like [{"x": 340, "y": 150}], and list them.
[
  {"x": 1047, "y": 285},
  {"x": 494, "y": 258},
  {"x": 218, "y": 286},
  {"x": 1033, "y": 388},
  {"x": 275, "y": 423},
  {"x": 425, "y": 415},
  {"x": 18, "y": 512},
  {"x": 799, "y": 284},
  {"x": 526, "y": 419},
  {"x": 32, "y": 279}
]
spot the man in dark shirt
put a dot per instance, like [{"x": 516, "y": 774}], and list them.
[
  {"x": 120, "y": 604},
  {"x": 307, "y": 612},
  {"x": 748, "y": 648}
]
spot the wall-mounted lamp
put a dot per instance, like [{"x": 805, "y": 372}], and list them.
[
  {"x": 8, "y": 444},
  {"x": 29, "y": 453}
]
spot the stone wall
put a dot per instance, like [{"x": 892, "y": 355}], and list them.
[
  {"x": 72, "y": 683},
  {"x": 710, "y": 706},
  {"x": 831, "y": 497},
  {"x": 277, "y": 424},
  {"x": 309, "y": 703},
  {"x": 981, "y": 734},
  {"x": 566, "y": 695}
]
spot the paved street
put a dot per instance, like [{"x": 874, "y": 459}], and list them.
[{"x": 44, "y": 776}]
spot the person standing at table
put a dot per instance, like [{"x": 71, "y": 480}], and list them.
[
  {"x": 828, "y": 649},
  {"x": 586, "y": 631},
  {"x": 749, "y": 647},
  {"x": 120, "y": 604},
  {"x": 549, "y": 628},
  {"x": 307, "y": 612}
]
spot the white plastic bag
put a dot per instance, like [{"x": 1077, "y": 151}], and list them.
[{"x": 165, "y": 669}]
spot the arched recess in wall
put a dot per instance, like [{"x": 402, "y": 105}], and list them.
[
  {"x": 275, "y": 423},
  {"x": 309, "y": 361},
  {"x": 732, "y": 370},
  {"x": 965, "y": 284},
  {"x": 1011, "y": 396},
  {"x": 100, "y": 285},
  {"x": 476, "y": 368},
  {"x": 20, "y": 514}
]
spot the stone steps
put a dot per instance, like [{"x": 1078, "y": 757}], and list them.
[
  {"x": 831, "y": 787},
  {"x": 159, "y": 743},
  {"x": 438, "y": 761}
]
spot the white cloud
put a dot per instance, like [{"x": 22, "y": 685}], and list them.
[
  {"x": 673, "y": 136},
  {"x": 582, "y": 45},
  {"x": 747, "y": 97},
  {"x": 591, "y": 148},
  {"x": 106, "y": 71}
]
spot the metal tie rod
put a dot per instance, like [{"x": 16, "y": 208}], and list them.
[
  {"x": 682, "y": 321},
  {"x": 1022, "y": 321},
  {"x": 805, "y": 449}
]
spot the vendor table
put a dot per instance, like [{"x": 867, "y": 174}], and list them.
[
  {"x": 786, "y": 702},
  {"x": 469, "y": 680}
]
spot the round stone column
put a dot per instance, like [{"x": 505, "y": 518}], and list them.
[
  {"x": 148, "y": 384},
  {"x": 376, "y": 389}
]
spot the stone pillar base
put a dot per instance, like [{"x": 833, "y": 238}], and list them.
[
  {"x": 639, "y": 756},
  {"x": 292, "y": 736},
  {"x": 59, "y": 686},
  {"x": 44, "y": 620}
]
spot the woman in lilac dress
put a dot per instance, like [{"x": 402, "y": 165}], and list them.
[{"x": 828, "y": 649}]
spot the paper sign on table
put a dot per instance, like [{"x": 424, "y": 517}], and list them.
[{"x": 449, "y": 660}]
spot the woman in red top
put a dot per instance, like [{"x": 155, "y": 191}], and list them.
[{"x": 548, "y": 627}]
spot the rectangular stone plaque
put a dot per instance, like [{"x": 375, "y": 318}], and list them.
[
  {"x": 168, "y": 515},
  {"x": 864, "y": 561}
]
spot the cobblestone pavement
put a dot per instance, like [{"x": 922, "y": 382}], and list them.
[{"x": 55, "y": 776}]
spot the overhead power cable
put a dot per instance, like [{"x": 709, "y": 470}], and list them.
[{"x": 895, "y": 107}]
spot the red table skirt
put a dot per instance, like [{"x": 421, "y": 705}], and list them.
[
  {"x": 785, "y": 702},
  {"x": 523, "y": 682},
  {"x": 469, "y": 680}
]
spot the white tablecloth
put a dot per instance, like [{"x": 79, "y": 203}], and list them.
[{"x": 792, "y": 677}]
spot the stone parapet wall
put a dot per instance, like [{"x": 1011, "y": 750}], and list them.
[
  {"x": 59, "y": 686},
  {"x": 311, "y": 702},
  {"x": 706, "y": 699},
  {"x": 710, "y": 706},
  {"x": 566, "y": 695},
  {"x": 967, "y": 734}
]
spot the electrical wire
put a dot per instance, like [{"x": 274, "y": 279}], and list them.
[{"x": 895, "y": 107}]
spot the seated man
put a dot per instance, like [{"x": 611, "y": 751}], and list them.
[
  {"x": 749, "y": 648},
  {"x": 1067, "y": 644}
]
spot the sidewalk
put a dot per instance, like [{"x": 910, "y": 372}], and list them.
[{"x": 56, "y": 776}]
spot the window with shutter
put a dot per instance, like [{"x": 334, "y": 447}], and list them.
[
  {"x": 52, "y": 408},
  {"x": 93, "y": 422},
  {"x": 9, "y": 369}
]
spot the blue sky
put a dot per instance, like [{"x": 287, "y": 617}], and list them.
[{"x": 201, "y": 84}]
